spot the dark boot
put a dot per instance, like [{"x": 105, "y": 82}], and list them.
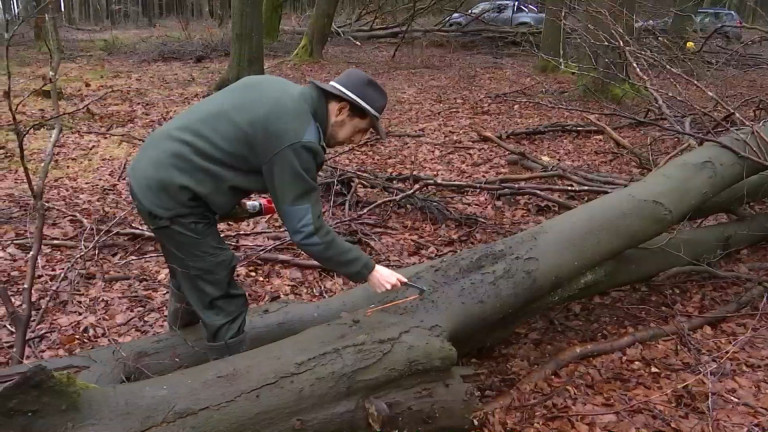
[
  {"x": 180, "y": 312},
  {"x": 228, "y": 348}
]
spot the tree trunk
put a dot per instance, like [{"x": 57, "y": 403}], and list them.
[
  {"x": 201, "y": 12},
  {"x": 151, "y": 12},
  {"x": 224, "y": 12},
  {"x": 69, "y": 12},
  {"x": 134, "y": 7},
  {"x": 7, "y": 10},
  {"x": 682, "y": 20},
  {"x": 762, "y": 12},
  {"x": 318, "y": 32},
  {"x": 273, "y": 13},
  {"x": 147, "y": 357},
  {"x": 604, "y": 68},
  {"x": 552, "y": 53},
  {"x": 325, "y": 372},
  {"x": 247, "y": 53},
  {"x": 40, "y": 8}
]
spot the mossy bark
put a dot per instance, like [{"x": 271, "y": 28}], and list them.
[
  {"x": 604, "y": 69},
  {"x": 273, "y": 13},
  {"x": 247, "y": 54},
  {"x": 318, "y": 32}
]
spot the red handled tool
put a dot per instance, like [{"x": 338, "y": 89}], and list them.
[
  {"x": 421, "y": 290},
  {"x": 260, "y": 207}
]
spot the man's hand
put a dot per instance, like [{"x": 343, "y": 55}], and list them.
[{"x": 383, "y": 279}]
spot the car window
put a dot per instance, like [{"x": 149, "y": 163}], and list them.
[
  {"x": 521, "y": 8},
  {"x": 501, "y": 8},
  {"x": 482, "y": 7}
]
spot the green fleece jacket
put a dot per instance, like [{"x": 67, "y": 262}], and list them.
[{"x": 262, "y": 134}]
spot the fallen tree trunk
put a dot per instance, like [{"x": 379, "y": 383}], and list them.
[
  {"x": 292, "y": 386},
  {"x": 751, "y": 190},
  {"x": 165, "y": 353},
  {"x": 331, "y": 368}
]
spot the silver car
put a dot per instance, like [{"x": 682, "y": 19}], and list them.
[{"x": 502, "y": 13}]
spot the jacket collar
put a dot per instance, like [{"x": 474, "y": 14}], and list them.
[{"x": 318, "y": 105}]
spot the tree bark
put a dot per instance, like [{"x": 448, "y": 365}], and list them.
[
  {"x": 473, "y": 295},
  {"x": 165, "y": 353},
  {"x": 682, "y": 20},
  {"x": 224, "y": 12},
  {"x": 247, "y": 53},
  {"x": 273, "y": 13},
  {"x": 748, "y": 191},
  {"x": 604, "y": 67},
  {"x": 318, "y": 32},
  {"x": 317, "y": 380},
  {"x": 552, "y": 54}
]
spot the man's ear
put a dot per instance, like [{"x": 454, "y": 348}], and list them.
[{"x": 342, "y": 109}]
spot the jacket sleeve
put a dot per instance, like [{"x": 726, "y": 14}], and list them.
[{"x": 291, "y": 178}]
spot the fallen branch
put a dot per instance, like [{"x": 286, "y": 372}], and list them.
[
  {"x": 560, "y": 127},
  {"x": 284, "y": 259},
  {"x": 621, "y": 142},
  {"x": 580, "y": 352}
]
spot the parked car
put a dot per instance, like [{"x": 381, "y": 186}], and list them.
[
  {"x": 502, "y": 13},
  {"x": 705, "y": 21}
]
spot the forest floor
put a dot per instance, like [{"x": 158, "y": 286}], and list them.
[{"x": 713, "y": 379}]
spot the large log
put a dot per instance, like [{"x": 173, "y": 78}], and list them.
[
  {"x": 330, "y": 368},
  {"x": 753, "y": 189},
  {"x": 167, "y": 352},
  {"x": 317, "y": 381}
]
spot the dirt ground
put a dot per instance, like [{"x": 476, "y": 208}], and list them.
[{"x": 714, "y": 379}]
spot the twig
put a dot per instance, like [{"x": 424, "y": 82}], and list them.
[
  {"x": 126, "y": 135},
  {"x": 155, "y": 255},
  {"x": 649, "y": 334},
  {"x": 284, "y": 259},
  {"x": 621, "y": 142}
]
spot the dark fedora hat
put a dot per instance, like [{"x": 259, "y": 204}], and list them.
[{"x": 357, "y": 87}]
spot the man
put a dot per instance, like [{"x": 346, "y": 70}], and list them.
[{"x": 262, "y": 134}]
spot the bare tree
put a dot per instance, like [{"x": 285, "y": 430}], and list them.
[
  {"x": 273, "y": 12},
  {"x": 247, "y": 53},
  {"x": 551, "y": 55},
  {"x": 316, "y": 36},
  {"x": 20, "y": 316}
]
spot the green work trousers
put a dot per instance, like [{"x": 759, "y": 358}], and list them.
[{"x": 202, "y": 267}]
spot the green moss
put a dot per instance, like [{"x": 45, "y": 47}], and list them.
[
  {"x": 303, "y": 51},
  {"x": 617, "y": 93},
  {"x": 546, "y": 66},
  {"x": 110, "y": 45},
  {"x": 41, "y": 390}
]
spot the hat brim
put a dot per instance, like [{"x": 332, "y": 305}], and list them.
[{"x": 331, "y": 89}]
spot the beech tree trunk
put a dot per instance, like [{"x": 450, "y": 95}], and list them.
[
  {"x": 224, "y": 12},
  {"x": 317, "y": 368},
  {"x": 604, "y": 67},
  {"x": 273, "y": 14},
  {"x": 247, "y": 53},
  {"x": 552, "y": 53},
  {"x": 318, "y": 32},
  {"x": 682, "y": 20}
]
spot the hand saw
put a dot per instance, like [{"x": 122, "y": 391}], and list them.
[{"x": 421, "y": 290}]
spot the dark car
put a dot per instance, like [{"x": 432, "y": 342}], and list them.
[
  {"x": 502, "y": 13},
  {"x": 706, "y": 20}
]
